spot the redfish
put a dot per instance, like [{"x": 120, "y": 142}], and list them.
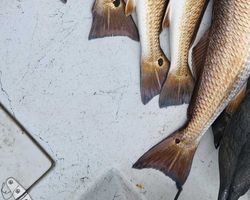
[
  {"x": 183, "y": 18},
  {"x": 226, "y": 70},
  {"x": 154, "y": 63}
]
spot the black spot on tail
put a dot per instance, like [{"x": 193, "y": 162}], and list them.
[{"x": 160, "y": 62}]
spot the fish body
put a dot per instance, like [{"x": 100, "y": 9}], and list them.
[
  {"x": 154, "y": 64},
  {"x": 226, "y": 69},
  {"x": 184, "y": 17},
  {"x": 234, "y": 154},
  {"x": 109, "y": 19}
]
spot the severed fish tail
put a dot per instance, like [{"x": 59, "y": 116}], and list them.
[
  {"x": 172, "y": 156},
  {"x": 177, "y": 90},
  {"x": 153, "y": 75},
  {"x": 112, "y": 21}
]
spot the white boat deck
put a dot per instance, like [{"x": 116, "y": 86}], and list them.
[{"x": 80, "y": 100}]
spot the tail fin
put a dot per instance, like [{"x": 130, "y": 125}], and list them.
[
  {"x": 179, "y": 192},
  {"x": 176, "y": 90},
  {"x": 171, "y": 156},
  {"x": 152, "y": 78},
  {"x": 110, "y": 20}
]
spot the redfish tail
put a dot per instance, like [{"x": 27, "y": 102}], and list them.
[
  {"x": 171, "y": 156},
  {"x": 112, "y": 22},
  {"x": 176, "y": 90},
  {"x": 179, "y": 187},
  {"x": 152, "y": 79}
]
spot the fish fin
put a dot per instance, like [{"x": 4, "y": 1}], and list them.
[
  {"x": 152, "y": 79},
  {"x": 199, "y": 55},
  {"x": 235, "y": 103},
  {"x": 223, "y": 120},
  {"x": 248, "y": 84},
  {"x": 112, "y": 22},
  {"x": 167, "y": 17},
  {"x": 219, "y": 127},
  {"x": 179, "y": 187},
  {"x": 176, "y": 90},
  {"x": 171, "y": 156},
  {"x": 64, "y": 1},
  {"x": 130, "y": 6}
]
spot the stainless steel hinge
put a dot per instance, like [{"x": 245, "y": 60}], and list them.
[{"x": 16, "y": 190}]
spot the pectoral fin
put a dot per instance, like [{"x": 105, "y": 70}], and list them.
[
  {"x": 224, "y": 119},
  {"x": 110, "y": 20},
  {"x": 130, "y": 6},
  {"x": 235, "y": 103}
]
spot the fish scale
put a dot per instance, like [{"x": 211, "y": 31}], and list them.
[
  {"x": 154, "y": 25},
  {"x": 184, "y": 17},
  {"x": 225, "y": 71},
  {"x": 221, "y": 77},
  {"x": 154, "y": 63},
  {"x": 234, "y": 157}
]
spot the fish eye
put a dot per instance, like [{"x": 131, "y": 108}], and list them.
[
  {"x": 160, "y": 62},
  {"x": 177, "y": 141},
  {"x": 116, "y": 3}
]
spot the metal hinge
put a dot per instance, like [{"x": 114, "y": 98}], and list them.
[{"x": 16, "y": 190}]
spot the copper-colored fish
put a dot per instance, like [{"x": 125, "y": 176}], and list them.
[
  {"x": 109, "y": 19},
  {"x": 226, "y": 69},
  {"x": 183, "y": 18},
  {"x": 154, "y": 64}
]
